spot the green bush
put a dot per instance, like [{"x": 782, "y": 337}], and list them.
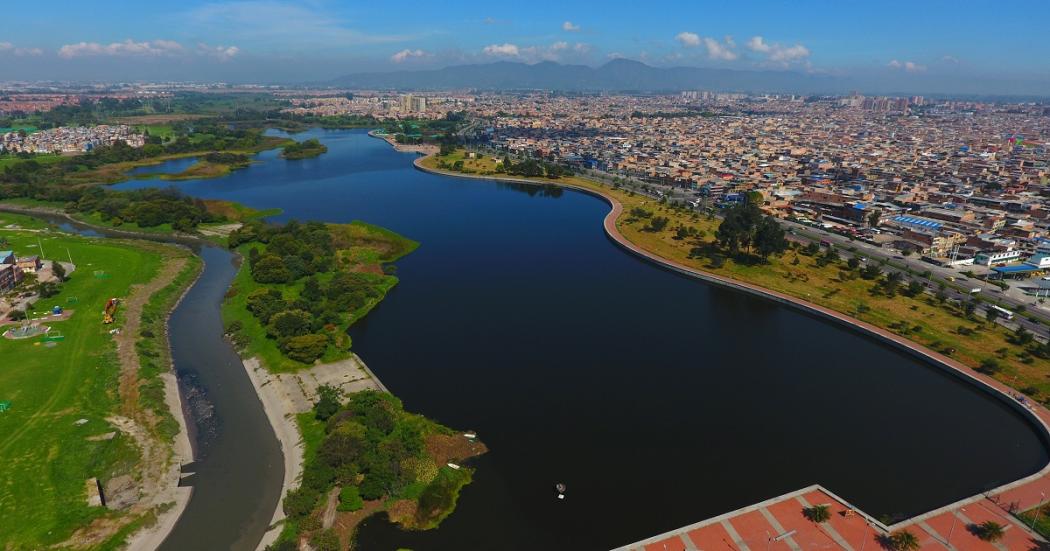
[{"x": 350, "y": 499}]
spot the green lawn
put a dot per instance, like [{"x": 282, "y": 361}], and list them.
[
  {"x": 47, "y": 456},
  {"x": 43, "y": 158}
]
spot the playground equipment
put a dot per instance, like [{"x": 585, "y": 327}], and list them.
[
  {"x": 26, "y": 331},
  {"x": 57, "y": 311},
  {"x": 5, "y": 405},
  {"x": 111, "y": 309},
  {"x": 101, "y": 274}
]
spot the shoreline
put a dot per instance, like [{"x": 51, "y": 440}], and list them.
[
  {"x": 283, "y": 397},
  {"x": 183, "y": 451},
  {"x": 1035, "y": 414},
  {"x": 152, "y": 536},
  {"x": 425, "y": 149}
]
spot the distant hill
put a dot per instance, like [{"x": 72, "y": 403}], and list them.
[{"x": 616, "y": 75}]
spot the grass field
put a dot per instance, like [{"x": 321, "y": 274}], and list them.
[
  {"x": 43, "y": 158},
  {"x": 937, "y": 325},
  {"x": 360, "y": 247},
  {"x": 47, "y": 455}
]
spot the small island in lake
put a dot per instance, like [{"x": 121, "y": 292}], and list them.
[
  {"x": 303, "y": 285},
  {"x": 304, "y": 150},
  {"x": 365, "y": 455}
]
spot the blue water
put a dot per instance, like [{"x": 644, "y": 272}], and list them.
[
  {"x": 173, "y": 166},
  {"x": 659, "y": 400}
]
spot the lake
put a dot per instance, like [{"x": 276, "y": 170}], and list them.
[{"x": 658, "y": 399}]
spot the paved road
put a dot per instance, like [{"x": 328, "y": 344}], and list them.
[{"x": 1013, "y": 299}]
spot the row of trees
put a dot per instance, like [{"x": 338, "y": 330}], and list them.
[
  {"x": 147, "y": 207},
  {"x": 746, "y": 229}
]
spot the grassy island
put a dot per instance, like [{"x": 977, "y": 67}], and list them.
[
  {"x": 303, "y": 284},
  {"x": 833, "y": 278},
  {"x": 367, "y": 455},
  {"x": 84, "y": 404},
  {"x": 304, "y": 150}
]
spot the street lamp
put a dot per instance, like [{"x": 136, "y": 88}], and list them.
[
  {"x": 1038, "y": 509},
  {"x": 955, "y": 519}
]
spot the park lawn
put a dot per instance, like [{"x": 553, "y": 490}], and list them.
[
  {"x": 360, "y": 248},
  {"x": 47, "y": 458},
  {"x": 820, "y": 285},
  {"x": 43, "y": 158},
  {"x": 163, "y": 131}
]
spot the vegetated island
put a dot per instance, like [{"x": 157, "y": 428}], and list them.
[
  {"x": 303, "y": 284},
  {"x": 743, "y": 246},
  {"x": 307, "y": 149},
  {"x": 87, "y": 411},
  {"x": 367, "y": 455},
  {"x": 300, "y": 288}
]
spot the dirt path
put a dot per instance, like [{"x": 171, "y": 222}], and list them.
[{"x": 157, "y": 476}]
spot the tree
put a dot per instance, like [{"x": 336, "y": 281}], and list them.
[
  {"x": 271, "y": 269},
  {"x": 817, "y": 513},
  {"x": 991, "y": 314},
  {"x": 874, "y": 218},
  {"x": 290, "y": 323},
  {"x": 990, "y": 531},
  {"x": 853, "y": 263},
  {"x": 657, "y": 224},
  {"x": 350, "y": 499},
  {"x": 327, "y": 402},
  {"x": 903, "y": 541},
  {"x": 989, "y": 366},
  {"x": 58, "y": 270},
  {"x": 770, "y": 238},
  {"x": 306, "y": 348},
  {"x": 914, "y": 288}
]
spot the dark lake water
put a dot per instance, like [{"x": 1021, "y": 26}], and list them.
[
  {"x": 173, "y": 166},
  {"x": 659, "y": 400}
]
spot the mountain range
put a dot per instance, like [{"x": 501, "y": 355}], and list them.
[{"x": 616, "y": 75}]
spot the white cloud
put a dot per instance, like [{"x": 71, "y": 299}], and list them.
[
  {"x": 222, "y": 53},
  {"x": 126, "y": 48},
  {"x": 907, "y": 66},
  {"x": 559, "y": 46},
  {"x": 280, "y": 23},
  {"x": 582, "y": 48},
  {"x": 6, "y": 46},
  {"x": 719, "y": 51},
  {"x": 950, "y": 59},
  {"x": 501, "y": 50},
  {"x": 758, "y": 44},
  {"x": 688, "y": 39},
  {"x": 406, "y": 54},
  {"x": 568, "y": 26},
  {"x": 778, "y": 54}
]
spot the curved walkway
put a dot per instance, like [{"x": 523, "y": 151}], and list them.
[{"x": 1019, "y": 495}]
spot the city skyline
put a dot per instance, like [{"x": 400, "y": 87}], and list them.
[{"x": 892, "y": 44}]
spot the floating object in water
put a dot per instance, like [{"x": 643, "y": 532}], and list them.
[
  {"x": 470, "y": 435},
  {"x": 560, "y": 488},
  {"x": 453, "y": 465}
]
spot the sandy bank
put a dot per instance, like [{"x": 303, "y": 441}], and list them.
[
  {"x": 425, "y": 149},
  {"x": 284, "y": 395}
]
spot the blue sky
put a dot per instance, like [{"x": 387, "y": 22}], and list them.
[{"x": 292, "y": 40}]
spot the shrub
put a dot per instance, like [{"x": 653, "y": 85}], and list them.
[
  {"x": 989, "y": 366},
  {"x": 306, "y": 348},
  {"x": 325, "y": 540},
  {"x": 350, "y": 499}
]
